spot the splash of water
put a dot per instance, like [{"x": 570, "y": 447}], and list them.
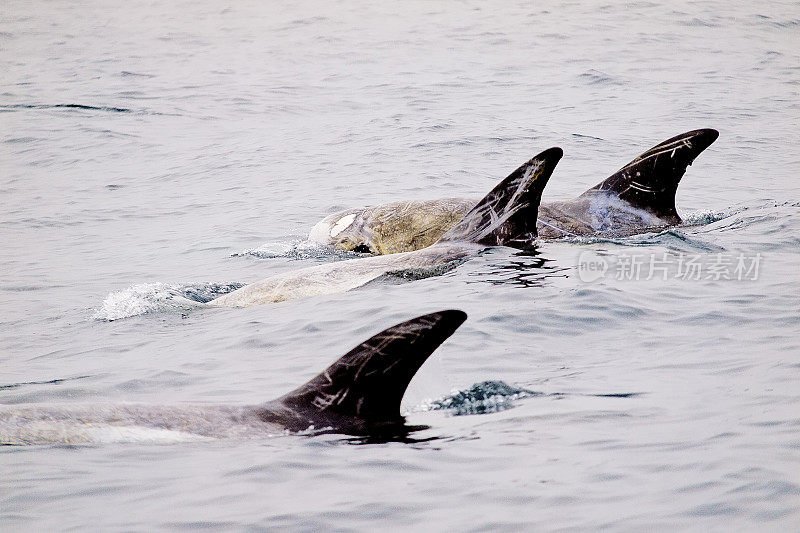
[
  {"x": 159, "y": 297},
  {"x": 480, "y": 398},
  {"x": 297, "y": 249}
]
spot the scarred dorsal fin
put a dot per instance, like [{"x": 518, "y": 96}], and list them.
[
  {"x": 363, "y": 389},
  {"x": 507, "y": 215},
  {"x": 649, "y": 182}
]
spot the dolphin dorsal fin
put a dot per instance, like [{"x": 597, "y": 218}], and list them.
[
  {"x": 365, "y": 386},
  {"x": 649, "y": 182},
  {"x": 507, "y": 215}
]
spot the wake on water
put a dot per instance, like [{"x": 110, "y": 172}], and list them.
[
  {"x": 298, "y": 249},
  {"x": 480, "y": 398},
  {"x": 495, "y": 396},
  {"x": 159, "y": 297}
]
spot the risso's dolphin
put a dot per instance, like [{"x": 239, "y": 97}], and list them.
[
  {"x": 637, "y": 198},
  {"x": 359, "y": 394},
  {"x": 504, "y": 217}
]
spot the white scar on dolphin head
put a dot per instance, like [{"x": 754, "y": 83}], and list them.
[{"x": 342, "y": 225}]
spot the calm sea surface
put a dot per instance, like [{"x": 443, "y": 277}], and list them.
[{"x": 154, "y": 149}]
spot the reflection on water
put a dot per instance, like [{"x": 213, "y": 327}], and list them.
[{"x": 525, "y": 269}]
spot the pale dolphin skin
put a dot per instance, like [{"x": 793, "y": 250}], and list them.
[
  {"x": 359, "y": 394},
  {"x": 637, "y": 198},
  {"x": 504, "y": 217}
]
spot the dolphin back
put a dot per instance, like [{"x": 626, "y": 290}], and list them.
[
  {"x": 649, "y": 182},
  {"x": 507, "y": 215},
  {"x": 363, "y": 389}
]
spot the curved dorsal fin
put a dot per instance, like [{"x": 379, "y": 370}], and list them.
[
  {"x": 365, "y": 386},
  {"x": 649, "y": 182},
  {"x": 507, "y": 215}
]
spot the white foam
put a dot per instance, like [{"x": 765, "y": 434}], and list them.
[
  {"x": 705, "y": 217},
  {"x": 140, "y": 299},
  {"x": 294, "y": 248}
]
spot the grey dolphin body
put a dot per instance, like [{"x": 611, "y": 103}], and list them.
[
  {"x": 637, "y": 198},
  {"x": 506, "y": 216},
  {"x": 358, "y": 394}
]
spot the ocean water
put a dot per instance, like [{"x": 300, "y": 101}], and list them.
[{"x": 153, "y": 154}]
